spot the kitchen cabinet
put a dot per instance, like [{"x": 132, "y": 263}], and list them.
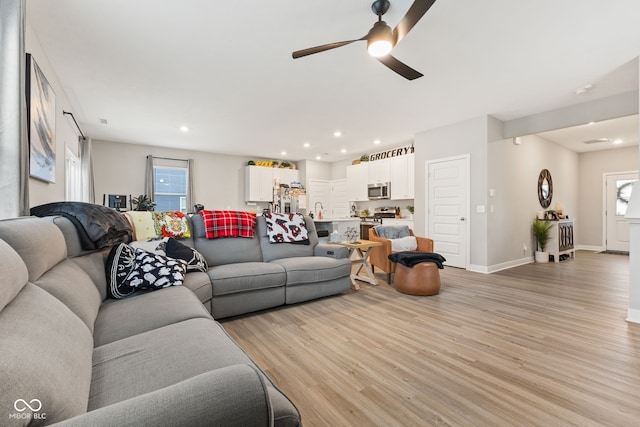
[
  {"x": 286, "y": 175},
  {"x": 402, "y": 177},
  {"x": 258, "y": 184},
  {"x": 357, "y": 180},
  {"x": 379, "y": 171}
]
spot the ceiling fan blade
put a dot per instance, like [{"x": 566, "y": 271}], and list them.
[
  {"x": 399, "y": 67},
  {"x": 413, "y": 15},
  {"x": 318, "y": 49}
]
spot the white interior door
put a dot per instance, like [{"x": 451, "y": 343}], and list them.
[
  {"x": 618, "y": 191},
  {"x": 318, "y": 191},
  {"x": 338, "y": 199},
  {"x": 448, "y": 208}
]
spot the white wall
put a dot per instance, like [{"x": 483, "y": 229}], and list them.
[
  {"x": 219, "y": 181},
  {"x": 590, "y": 192},
  {"x": 468, "y": 137},
  {"x": 513, "y": 174},
  {"x": 41, "y": 192}
]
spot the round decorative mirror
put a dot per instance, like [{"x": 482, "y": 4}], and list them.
[{"x": 545, "y": 188}]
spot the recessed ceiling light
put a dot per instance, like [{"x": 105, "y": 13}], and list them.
[
  {"x": 617, "y": 141},
  {"x": 284, "y": 153},
  {"x": 184, "y": 128},
  {"x": 591, "y": 123},
  {"x": 377, "y": 141},
  {"x": 318, "y": 157},
  {"x": 307, "y": 145},
  {"x": 344, "y": 150},
  {"x": 583, "y": 89},
  {"x": 337, "y": 134}
]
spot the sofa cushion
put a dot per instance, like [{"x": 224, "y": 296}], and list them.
[
  {"x": 303, "y": 270},
  {"x": 118, "y": 319},
  {"x": 284, "y": 250},
  {"x": 46, "y": 353},
  {"x": 39, "y": 243},
  {"x": 14, "y": 274},
  {"x": 392, "y": 231},
  {"x": 224, "y": 251},
  {"x": 74, "y": 287},
  {"x": 287, "y": 228},
  {"x": 194, "y": 259},
  {"x": 118, "y": 374},
  {"x": 246, "y": 276},
  {"x": 200, "y": 284},
  {"x": 171, "y": 224}
]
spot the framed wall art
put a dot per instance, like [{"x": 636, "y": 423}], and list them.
[{"x": 41, "y": 122}]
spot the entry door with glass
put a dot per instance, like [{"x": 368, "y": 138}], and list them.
[{"x": 618, "y": 192}]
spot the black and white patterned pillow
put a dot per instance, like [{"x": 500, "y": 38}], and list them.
[
  {"x": 130, "y": 270},
  {"x": 286, "y": 228},
  {"x": 155, "y": 271},
  {"x": 194, "y": 259},
  {"x": 120, "y": 263}
]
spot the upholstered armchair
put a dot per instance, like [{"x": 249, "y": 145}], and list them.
[{"x": 379, "y": 254}]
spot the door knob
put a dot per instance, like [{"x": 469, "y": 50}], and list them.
[{"x": 461, "y": 218}]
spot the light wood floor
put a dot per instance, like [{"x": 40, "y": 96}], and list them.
[{"x": 536, "y": 345}]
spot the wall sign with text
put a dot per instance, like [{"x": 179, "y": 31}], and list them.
[{"x": 396, "y": 152}]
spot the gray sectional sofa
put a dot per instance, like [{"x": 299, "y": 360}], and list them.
[{"x": 69, "y": 354}]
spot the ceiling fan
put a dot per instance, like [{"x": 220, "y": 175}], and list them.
[{"x": 381, "y": 39}]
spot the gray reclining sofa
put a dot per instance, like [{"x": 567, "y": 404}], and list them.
[{"x": 71, "y": 355}]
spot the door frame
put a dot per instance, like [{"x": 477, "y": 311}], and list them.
[
  {"x": 605, "y": 175},
  {"x": 467, "y": 209}
]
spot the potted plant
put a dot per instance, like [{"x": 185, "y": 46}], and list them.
[
  {"x": 274, "y": 163},
  {"x": 286, "y": 165},
  {"x": 541, "y": 232},
  {"x": 364, "y": 158},
  {"x": 143, "y": 203},
  {"x": 410, "y": 209}
]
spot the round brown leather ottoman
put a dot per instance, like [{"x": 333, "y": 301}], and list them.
[{"x": 421, "y": 279}]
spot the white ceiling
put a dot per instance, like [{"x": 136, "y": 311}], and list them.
[{"x": 224, "y": 69}]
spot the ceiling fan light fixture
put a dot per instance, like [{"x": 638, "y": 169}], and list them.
[{"x": 380, "y": 40}]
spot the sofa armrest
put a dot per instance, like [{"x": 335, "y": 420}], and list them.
[
  {"x": 332, "y": 251},
  {"x": 231, "y": 396},
  {"x": 424, "y": 244}
]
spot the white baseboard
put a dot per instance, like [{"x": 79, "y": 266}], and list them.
[
  {"x": 478, "y": 268},
  {"x": 589, "y": 248},
  {"x": 497, "y": 267},
  {"x": 633, "y": 316}
]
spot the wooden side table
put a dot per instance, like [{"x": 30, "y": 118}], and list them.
[{"x": 361, "y": 248}]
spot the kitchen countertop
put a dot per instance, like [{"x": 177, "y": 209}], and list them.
[{"x": 336, "y": 219}]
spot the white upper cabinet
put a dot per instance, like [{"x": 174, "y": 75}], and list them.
[
  {"x": 357, "y": 180},
  {"x": 286, "y": 175},
  {"x": 402, "y": 177},
  {"x": 258, "y": 184},
  {"x": 379, "y": 171}
]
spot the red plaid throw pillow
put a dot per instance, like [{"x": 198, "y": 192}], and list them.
[{"x": 228, "y": 224}]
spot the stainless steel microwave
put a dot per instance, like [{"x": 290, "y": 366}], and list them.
[{"x": 381, "y": 190}]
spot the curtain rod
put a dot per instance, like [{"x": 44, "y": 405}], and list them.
[
  {"x": 168, "y": 158},
  {"x": 74, "y": 121}
]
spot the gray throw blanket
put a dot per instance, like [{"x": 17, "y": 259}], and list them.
[
  {"x": 98, "y": 226},
  {"x": 410, "y": 258}
]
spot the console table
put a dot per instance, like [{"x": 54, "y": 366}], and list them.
[{"x": 561, "y": 240}]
